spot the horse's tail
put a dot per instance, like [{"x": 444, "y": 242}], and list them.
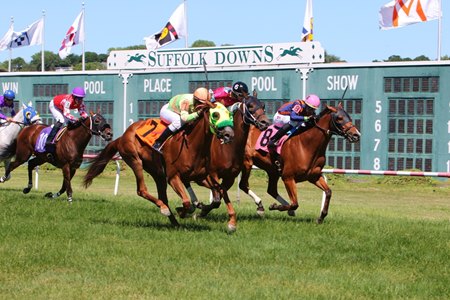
[{"x": 98, "y": 164}]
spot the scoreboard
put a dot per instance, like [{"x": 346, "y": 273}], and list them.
[{"x": 401, "y": 109}]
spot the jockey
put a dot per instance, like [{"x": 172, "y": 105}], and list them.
[
  {"x": 181, "y": 109},
  {"x": 229, "y": 96},
  {"x": 7, "y": 105},
  {"x": 293, "y": 114},
  {"x": 60, "y": 107}
]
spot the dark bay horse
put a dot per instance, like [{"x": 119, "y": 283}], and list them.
[
  {"x": 185, "y": 155},
  {"x": 303, "y": 156},
  {"x": 69, "y": 150},
  {"x": 227, "y": 160},
  {"x": 9, "y": 131}
]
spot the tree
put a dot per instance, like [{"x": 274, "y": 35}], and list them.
[
  {"x": 202, "y": 43},
  {"x": 329, "y": 58}
]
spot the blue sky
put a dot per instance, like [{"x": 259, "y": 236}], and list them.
[{"x": 345, "y": 28}]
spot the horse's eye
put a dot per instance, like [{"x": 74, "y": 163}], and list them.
[{"x": 216, "y": 116}]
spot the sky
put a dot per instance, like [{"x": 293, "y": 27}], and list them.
[{"x": 347, "y": 29}]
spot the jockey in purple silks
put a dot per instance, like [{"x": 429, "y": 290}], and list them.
[
  {"x": 7, "y": 105},
  {"x": 293, "y": 114}
]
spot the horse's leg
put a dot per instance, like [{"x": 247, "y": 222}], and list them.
[
  {"x": 178, "y": 186},
  {"x": 272, "y": 190},
  {"x": 161, "y": 187},
  {"x": 192, "y": 195},
  {"x": 142, "y": 191},
  {"x": 322, "y": 184},
  {"x": 6, "y": 178},
  {"x": 245, "y": 187},
  {"x": 31, "y": 165},
  {"x": 232, "y": 222},
  {"x": 291, "y": 189}
]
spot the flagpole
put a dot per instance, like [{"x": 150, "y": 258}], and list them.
[
  {"x": 10, "y": 49},
  {"x": 439, "y": 31},
  {"x": 43, "y": 41},
  {"x": 83, "y": 65},
  {"x": 185, "y": 24}
]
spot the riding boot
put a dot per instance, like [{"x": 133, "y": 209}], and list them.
[
  {"x": 273, "y": 142},
  {"x": 161, "y": 139},
  {"x": 49, "y": 145}
]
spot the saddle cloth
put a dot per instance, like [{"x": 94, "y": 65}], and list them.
[
  {"x": 264, "y": 137},
  {"x": 150, "y": 131},
  {"x": 42, "y": 138}
]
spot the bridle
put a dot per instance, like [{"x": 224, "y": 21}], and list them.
[
  {"x": 98, "y": 128},
  {"x": 249, "y": 117},
  {"x": 336, "y": 128}
]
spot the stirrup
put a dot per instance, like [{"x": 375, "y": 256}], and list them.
[
  {"x": 159, "y": 150},
  {"x": 278, "y": 164}
]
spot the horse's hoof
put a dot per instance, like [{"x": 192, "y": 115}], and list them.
[
  {"x": 291, "y": 213},
  {"x": 165, "y": 211},
  {"x": 49, "y": 195},
  {"x": 231, "y": 228},
  {"x": 273, "y": 206},
  {"x": 181, "y": 212},
  {"x": 5, "y": 178},
  {"x": 319, "y": 221},
  {"x": 26, "y": 190},
  {"x": 260, "y": 211}
]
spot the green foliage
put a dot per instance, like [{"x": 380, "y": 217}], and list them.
[{"x": 202, "y": 43}]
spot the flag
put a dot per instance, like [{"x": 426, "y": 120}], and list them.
[
  {"x": 30, "y": 36},
  {"x": 74, "y": 36},
  {"x": 400, "y": 13},
  {"x": 174, "y": 29},
  {"x": 6, "y": 39},
  {"x": 307, "y": 31}
]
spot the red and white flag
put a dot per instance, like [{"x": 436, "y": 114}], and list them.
[
  {"x": 399, "y": 13},
  {"x": 74, "y": 36}
]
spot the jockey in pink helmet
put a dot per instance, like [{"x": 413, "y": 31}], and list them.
[{"x": 293, "y": 114}]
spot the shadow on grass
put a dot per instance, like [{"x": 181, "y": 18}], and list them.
[{"x": 152, "y": 224}]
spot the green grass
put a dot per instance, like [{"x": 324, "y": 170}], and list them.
[{"x": 383, "y": 239}]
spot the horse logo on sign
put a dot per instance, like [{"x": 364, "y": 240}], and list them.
[
  {"x": 292, "y": 51},
  {"x": 137, "y": 58}
]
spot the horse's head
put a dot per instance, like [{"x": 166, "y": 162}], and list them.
[
  {"x": 30, "y": 115},
  {"x": 341, "y": 124},
  {"x": 100, "y": 127},
  {"x": 221, "y": 123},
  {"x": 254, "y": 113}
]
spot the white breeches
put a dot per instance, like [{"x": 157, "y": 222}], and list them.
[
  {"x": 171, "y": 117},
  {"x": 57, "y": 114}
]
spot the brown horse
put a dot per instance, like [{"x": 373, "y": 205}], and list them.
[
  {"x": 185, "y": 155},
  {"x": 228, "y": 160},
  {"x": 303, "y": 156},
  {"x": 68, "y": 154}
]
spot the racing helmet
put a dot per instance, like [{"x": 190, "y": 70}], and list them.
[
  {"x": 9, "y": 95},
  {"x": 202, "y": 95},
  {"x": 239, "y": 88},
  {"x": 313, "y": 101},
  {"x": 79, "y": 92}
]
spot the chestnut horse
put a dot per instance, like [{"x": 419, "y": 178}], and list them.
[
  {"x": 185, "y": 155},
  {"x": 10, "y": 130},
  {"x": 228, "y": 160},
  {"x": 303, "y": 156},
  {"x": 68, "y": 154}
]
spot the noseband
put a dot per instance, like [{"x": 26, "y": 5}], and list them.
[{"x": 336, "y": 128}]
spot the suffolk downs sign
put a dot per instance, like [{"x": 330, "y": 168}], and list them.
[{"x": 230, "y": 56}]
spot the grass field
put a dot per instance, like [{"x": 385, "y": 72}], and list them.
[{"x": 384, "y": 238}]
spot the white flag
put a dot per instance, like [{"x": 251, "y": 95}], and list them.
[
  {"x": 30, "y": 36},
  {"x": 400, "y": 13},
  {"x": 307, "y": 31},
  {"x": 74, "y": 36},
  {"x": 4, "y": 42},
  {"x": 174, "y": 29}
]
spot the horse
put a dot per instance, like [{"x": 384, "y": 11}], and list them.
[
  {"x": 303, "y": 157},
  {"x": 68, "y": 154},
  {"x": 185, "y": 154},
  {"x": 9, "y": 131},
  {"x": 227, "y": 160}
]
